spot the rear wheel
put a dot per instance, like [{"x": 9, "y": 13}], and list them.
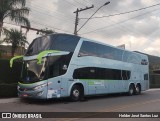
[
  {"x": 138, "y": 89},
  {"x": 131, "y": 90},
  {"x": 76, "y": 93}
]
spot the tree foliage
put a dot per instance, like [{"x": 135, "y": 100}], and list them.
[
  {"x": 15, "y": 10},
  {"x": 15, "y": 38}
]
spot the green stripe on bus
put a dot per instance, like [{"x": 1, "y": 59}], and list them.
[
  {"x": 96, "y": 80},
  {"x": 43, "y": 53},
  {"x": 14, "y": 58},
  {"x": 91, "y": 81},
  {"x": 30, "y": 83}
]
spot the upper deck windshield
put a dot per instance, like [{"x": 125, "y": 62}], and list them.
[{"x": 61, "y": 42}]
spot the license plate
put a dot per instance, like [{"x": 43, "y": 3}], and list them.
[{"x": 25, "y": 95}]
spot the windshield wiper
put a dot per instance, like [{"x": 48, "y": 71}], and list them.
[{"x": 43, "y": 68}]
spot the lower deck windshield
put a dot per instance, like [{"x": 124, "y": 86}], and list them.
[
  {"x": 33, "y": 72},
  {"x": 51, "y": 66}
]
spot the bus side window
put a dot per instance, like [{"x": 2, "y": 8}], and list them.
[
  {"x": 58, "y": 65},
  {"x": 146, "y": 76},
  {"x": 126, "y": 75},
  {"x": 80, "y": 73},
  {"x": 56, "y": 70}
]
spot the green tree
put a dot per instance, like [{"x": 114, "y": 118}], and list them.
[
  {"x": 15, "y": 38},
  {"x": 15, "y": 10}
]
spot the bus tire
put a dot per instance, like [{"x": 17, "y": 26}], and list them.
[
  {"x": 76, "y": 93},
  {"x": 138, "y": 89},
  {"x": 131, "y": 90}
]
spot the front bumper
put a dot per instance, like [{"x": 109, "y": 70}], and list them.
[
  {"x": 35, "y": 95},
  {"x": 27, "y": 91}
]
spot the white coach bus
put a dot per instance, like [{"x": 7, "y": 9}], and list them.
[{"x": 63, "y": 65}]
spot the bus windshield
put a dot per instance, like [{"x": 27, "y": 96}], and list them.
[
  {"x": 51, "y": 66},
  {"x": 33, "y": 72}
]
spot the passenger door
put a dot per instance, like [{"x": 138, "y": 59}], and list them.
[{"x": 54, "y": 87}]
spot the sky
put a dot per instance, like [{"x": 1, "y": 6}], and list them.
[{"x": 139, "y": 30}]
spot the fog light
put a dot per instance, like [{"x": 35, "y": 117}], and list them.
[{"x": 18, "y": 87}]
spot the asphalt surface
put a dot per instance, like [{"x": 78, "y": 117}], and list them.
[{"x": 148, "y": 101}]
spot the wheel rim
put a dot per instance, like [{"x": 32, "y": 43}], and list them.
[
  {"x": 76, "y": 93},
  {"x": 131, "y": 91},
  {"x": 137, "y": 89}
]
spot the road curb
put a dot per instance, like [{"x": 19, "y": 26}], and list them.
[{"x": 8, "y": 100}]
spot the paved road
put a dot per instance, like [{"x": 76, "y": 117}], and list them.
[{"x": 148, "y": 101}]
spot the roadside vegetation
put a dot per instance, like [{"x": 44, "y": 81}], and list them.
[{"x": 17, "y": 12}]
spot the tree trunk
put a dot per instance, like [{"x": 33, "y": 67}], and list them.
[
  {"x": 13, "y": 49},
  {"x": 1, "y": 25}
]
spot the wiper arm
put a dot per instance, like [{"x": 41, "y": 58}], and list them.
[{"x": 43, "y": 67}]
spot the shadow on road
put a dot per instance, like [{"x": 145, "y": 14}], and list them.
[
  {"x": 46, "y": 102},
  {"x": 67, "y": 100}
]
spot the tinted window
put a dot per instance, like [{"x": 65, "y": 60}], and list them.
[
  {"x": 62, "y": 42},
  {"x": 33, "y": 72},
  {"x": 126, "y": 75},
  {"x": 38, "y": 45},
  {"x": 145, "y": 76},
  {"x": 58, "y": 65},
  {"x": 88, "y": 49},
  {"x": 131, "y": 57},
  {"x": 100, "y": 73},
  {"x": 112, "y": 74},
  {"x": 98, "y": 50},
  {"x": 118, "y": 54}
]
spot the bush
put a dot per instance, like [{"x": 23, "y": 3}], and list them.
[
  {"x": 9, "y": 78},
  {"x": 8, "y": 90},
  {"x": 0, "y": 54},
  {"x": 154, "y": 80}
]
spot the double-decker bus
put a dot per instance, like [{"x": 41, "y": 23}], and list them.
[{"x": 63, "y": 65}]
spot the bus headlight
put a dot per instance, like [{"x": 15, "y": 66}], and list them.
[
  {"x": 40, "y": 86},
  {"x": 18, "y": 87}
]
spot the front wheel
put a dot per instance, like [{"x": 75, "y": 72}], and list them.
[{"x": 76, "y": 93}]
